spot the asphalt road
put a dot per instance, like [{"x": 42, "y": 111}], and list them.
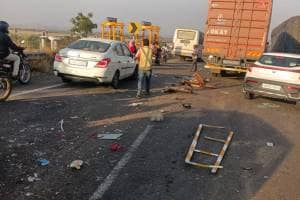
[{"x": 61, "y": 122}]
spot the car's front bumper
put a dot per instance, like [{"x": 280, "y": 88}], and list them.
[{"x": 287, "y": 91}]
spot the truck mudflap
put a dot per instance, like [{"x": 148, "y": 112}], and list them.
[{"x": 218, "y": 69}]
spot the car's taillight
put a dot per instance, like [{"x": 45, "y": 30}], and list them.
[
  {"x": 293, "y": 87},
  {"x": 251, "y": 81},
  {"x": 103, "y": 63},
  {"x": 58, "y": 58}
]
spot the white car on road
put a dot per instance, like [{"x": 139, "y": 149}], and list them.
[
  {"x": 275, "y": 75},
  {"x": 96, "y": 60}
]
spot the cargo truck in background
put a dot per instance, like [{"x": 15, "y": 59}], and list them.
[
  {"x": 236, "y": 34},
  {"x": 184, "y": 41}
]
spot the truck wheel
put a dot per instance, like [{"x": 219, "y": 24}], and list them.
[
  {"x": 249, "y": 95},
  {"x": 223, "y": 73}
]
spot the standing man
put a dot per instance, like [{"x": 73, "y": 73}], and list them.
[
  {"x": 195, "y": 58},
  {"x": 144, "y": 56}
]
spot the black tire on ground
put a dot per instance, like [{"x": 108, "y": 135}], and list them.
[
  {"x": 223, "y": 73},
  {"x": 66, "y": 80},
  {"x": 5, "y": 88},
  {"x": 249, "y": 95},
  {"x": 116, "y": 80},
  {"x": 25, "y": 74}
]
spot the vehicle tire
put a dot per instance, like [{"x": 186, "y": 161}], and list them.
[
  {"x": 135, "y": 74},
  {"x": 66, "y": 80},
  {"x": 249, "y": 95},
  {"x": 25, "y": 74},
  {"x": 223, "y": 73},
  {"x": 116, "y": 80},
  {"x": 5, "y": 88}
]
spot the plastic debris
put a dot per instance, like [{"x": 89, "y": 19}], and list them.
[
  {"x": 187, "y": 105},
  {"x": 115, "y": 147},
  {"x": 157, "y": 117},
  {"x": 270, "y": 144},
  {"x": 136, "y": 104},
  {"x": 28, "y": 194},
  {"x": 33, "y": 178},
  {"x": 43, "y": 162},
  {"x": 268, "y": 105},
  {"x": 109, "y": 136},
  {"x": 62, "y": 125},
  {"x": 76, "y": 164}
]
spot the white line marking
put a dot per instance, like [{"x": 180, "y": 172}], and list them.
[
  {"x": 98, "y": 194},
  {"x": 36, "y": 90}
]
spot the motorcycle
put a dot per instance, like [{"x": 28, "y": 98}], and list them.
[{"x": 6, "y": 69}]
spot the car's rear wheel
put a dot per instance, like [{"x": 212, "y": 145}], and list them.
[
  {"x": 66, "y": 80},
  {"x": 116, "y": 80},
  {"x": 249, "y": 95}
]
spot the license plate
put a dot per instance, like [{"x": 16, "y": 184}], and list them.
[
  {"x": 271, "y": 87},
  {"x": 78, "y": 62}
]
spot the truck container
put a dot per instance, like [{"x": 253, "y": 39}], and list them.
[
  {"x": 236, "y": 33},
  {"x": 286, "y": 37}
]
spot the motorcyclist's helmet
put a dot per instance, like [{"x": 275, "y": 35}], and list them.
[{"x": 4, "y": 27}]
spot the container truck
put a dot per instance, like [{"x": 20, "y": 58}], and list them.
[{"x": 236, "y": 34}]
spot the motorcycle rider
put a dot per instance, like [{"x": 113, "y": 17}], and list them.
[{"x": 7, "y": 45}]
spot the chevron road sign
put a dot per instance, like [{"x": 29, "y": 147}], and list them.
[{"x": 134, "y": 27}]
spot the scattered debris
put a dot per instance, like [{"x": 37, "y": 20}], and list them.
[
  {"x": 74, "y": 117},
  {"x": 174, "y": 89},
  {"x": 109, "y": 136},
  {"x": 226, "y": 93},
  {"x": 187, "y": 105},
  {"x": 62, "y": 125},
  {"x": 219, "y": 156},
  {"x": 115, "y": 147},
  {"x": 43, "y": 162},
  {"x": 33, "y": 178},
  {"x": 247, "y": 168},
  {"x": 270, "y": 144},
  {"x": 158, "y": 117},
  {"x": 28, "y": 194},
  {"x": 268, "y": 105},
  {"x": 197, "y": 81},
  {"x": 76, "y": 164},
  {"x": 135, "y": 104}
]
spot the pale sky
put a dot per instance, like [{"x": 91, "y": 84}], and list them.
[{"x": 169, "y": 14}]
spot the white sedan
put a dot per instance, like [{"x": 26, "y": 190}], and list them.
[
  {"x": 96, "y": 60},
  {"x": 275, "y": 75}
]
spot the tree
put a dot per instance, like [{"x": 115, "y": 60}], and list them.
[{"x": 83, "y": 25}]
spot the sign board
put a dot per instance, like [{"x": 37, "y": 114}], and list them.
[{"x": 134, "y": 27}]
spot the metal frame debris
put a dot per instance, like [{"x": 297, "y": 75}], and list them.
[{"x": 220, "y": 156}]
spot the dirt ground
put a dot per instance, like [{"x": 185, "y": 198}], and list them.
[{"x": 155, "y": 169}]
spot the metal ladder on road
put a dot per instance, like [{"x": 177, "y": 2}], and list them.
[{"x": 220, "y": 156}]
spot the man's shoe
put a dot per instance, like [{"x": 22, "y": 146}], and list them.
[{"x": 138, "y": 96}]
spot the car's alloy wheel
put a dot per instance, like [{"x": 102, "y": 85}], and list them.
[{"x": 116, "y": 80}]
